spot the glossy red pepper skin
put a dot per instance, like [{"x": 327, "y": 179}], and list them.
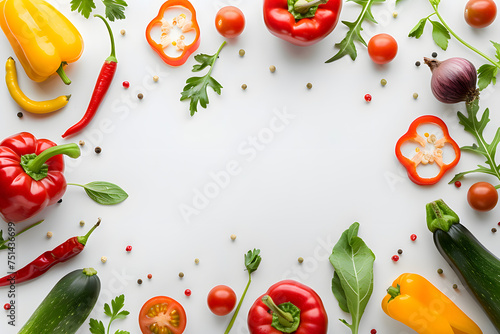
[
  {"x": 303, "y": 32},
  {"x": 412, "y": 135},
  {"x": 313, "y": 317},
  {"x": 21, "y": 197}
]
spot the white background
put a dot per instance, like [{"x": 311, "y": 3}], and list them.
[{"x": 331, "y": 165}]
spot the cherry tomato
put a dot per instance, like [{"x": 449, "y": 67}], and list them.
[
  {"x": 230, "y": 21},
  {"x": 480, "y": 13},
  {"x": 482, "y": 196},
  {"x": 162, "y": 315},
  {"x": 221, "y": 300},
  {"x": 382, "y": 48}
]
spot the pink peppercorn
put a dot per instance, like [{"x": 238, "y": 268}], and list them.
[
  {"x": 373, "y": 331},
  {"x": 458, "y": 184},
  {"x": 187, "y": 292},
  {"x": 413, "y": 237},
  {"x": 126, "y": 84},
  {"x": 395, "y": 258},
  {"x": 368, "y": 97},
  {"x": 128, "y": 249},
  {"x": 6, "y": 306},
  {"x": 150, "y": 276}
]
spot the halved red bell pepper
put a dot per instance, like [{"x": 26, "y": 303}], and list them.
[
  {"x": 181, "y": 22},
  {"x": 423, "y": 155},
  {"x": 288, "y": 307},
  {"x": 301, "y": 22},
  {"x": 31, "y": 175}
]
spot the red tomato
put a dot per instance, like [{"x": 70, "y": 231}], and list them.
[
  {"x": 162, "y": 315},
  {"x": 480, "y": 13},
  {"x": 221, "y": 300},
  {"x": 230, "y": 21},
  {"x": 482, "y": 196},
  {"x": 382, "y": 48}
]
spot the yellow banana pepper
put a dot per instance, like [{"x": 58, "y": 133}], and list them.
[
  {"x": 43, "y": 39},
  {"x": 414, "y": 301}
]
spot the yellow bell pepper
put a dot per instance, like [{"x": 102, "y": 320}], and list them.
[
  {"x": 43, "y": 39},
  {"x": 414, "y": 301}
]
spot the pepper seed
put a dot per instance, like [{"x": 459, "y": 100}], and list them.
[
  {"x": 98, "y": 150},
  {"x": 20, "y": 114},
  {"x": 104, "y": 259},
  {"x": 241, "y": 52},
  {"x": 49, "y": 234},
  {"x": 233, "y": 237},
  {"x": 122, "y": 32},
  {"x": 300, "y": 259},
  {"x": 244, "y": 86},
  {"x": 440, "y": 271},
  {"x": 139, "y": 281},
  {"x": 59, "y": 201},
  {"x": 415, "y": 96},
  {"x": 82, "y": 223},
  {"x": 272, "y": 68},
  {"x": 494, "y": 230},
  {"x": 181, "y": 274},
  {"x": 417, "y": 63},
  {"x": 383, "y": 82},
  {"x": 434, "y": 54},
  {"x": 81, "y": 143},
  {"x": 150, "y": 276},
  {"x": 400, "y": 251},
  {"x": 455, "y": 286},
  {"x": 394, "y": 14},
  {"x": 140, "y": 96},
  {"x": 156, "y": 78},
  {"x": 309, "y": 85},
  {"x": 196, "y": 261}
]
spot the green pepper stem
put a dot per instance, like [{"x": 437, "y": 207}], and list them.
[
  {"x": 62, "y": 74},
  {"x": 302, "y": 6},
  {"x": 83, "y": 239},
  {"x": 112, "y": 57},
  {"x": 34, "y": 165},
  {"x": 285, "y": 318},
  {"x": 235, "y": 314},
  {"x": 394, "y": 291}
]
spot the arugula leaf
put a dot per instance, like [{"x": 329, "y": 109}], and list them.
[
  {"x": 440, "y": 35},
  {"x": 352, "y": 283},
  {"x": 97, "y": 327},
  {"x": 476, "y": 126},
  {"x": 487, "y": 74},
  {"x": 115, "y": 9},
  {"x": 84, "y": 7},
  {"x": 196, "y": 87},
  {"x": 346, "y": 46}
]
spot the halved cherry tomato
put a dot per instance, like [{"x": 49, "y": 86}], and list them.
[
  {"x": 382, "y": 48},
  {"x": 230, "y": 21},
  {"x": 162, "y": 315},
  {"x": 221, "y": 300},
  {"x": 482, "y": 196},
  {"x": 480, "y": 13}
]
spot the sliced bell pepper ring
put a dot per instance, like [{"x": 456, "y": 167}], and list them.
[
  {"x": 182, "y": 23},
  {"x": 424, "y": 156}
]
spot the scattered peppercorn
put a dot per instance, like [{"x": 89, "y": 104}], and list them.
[
  {"x": 272, "y": 68},
  {"x": 244, "y": 86},
  {"x": 81, "y": 143},
  {"x": 241, "y": 52},
  {"x": 126, "y": 84},
  {"x": 434, "y": 54},
  {"x": 6, "y": 306},
  {"x": 395, "y": 258},
  {"x": 494, "y": 230},
  {"x": 187, "y": 292},
  {"x": 196, "y": 261},
  {"x": 20, "y": 114},
  {"x": 156, "y": 78},
  {"x": 150, "y": 276},
  {"x": 59, "y": 201},
  {"x": 309, "y": 85},
  {"x": 400, "y": 251},
  {"x": 300, "y": 259},
  {"x": 394, "y": 14},
  {"x": 498, "y": 224},
  {"x": 368, "y": 97},
  {"x": 122, "y": 32},
  {"x": 455, "y": 286},
  {"x": 415, "y": 96},
  {"x": 383, "y": 82},
  {"x": 413, "y": 237},
  {"x": 98, "y": 150},
  {"x": 82, "y": 223},
  {"x": 104, "y": 259},
  {"x": 140, "y": 96},
  {"x": 181, "y": 274},
  {"x": 417, "y": 63},
  {"x": 373, "y": 331},
  {"x": 233, "y": 237},
  {"x": 458, "y": 184},
  {"x": 440, "y": 271},
  {"x": 139, "y": 281},
  {"x": 49, "y": 234},
  {"x": 129, "y": 248}
]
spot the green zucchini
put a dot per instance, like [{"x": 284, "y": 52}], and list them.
[
  {"x": 67, "y": 305},
  {"x": 477, "y": 267}
]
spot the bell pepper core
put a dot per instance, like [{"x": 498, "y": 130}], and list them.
[
  {"x": 414, "y": 301},
  {"x": 422, "y": 155},
  {"x": 158, "y": 20},
  {"x": 301, "y": 22},
  {"x": 286, "y": 316}
]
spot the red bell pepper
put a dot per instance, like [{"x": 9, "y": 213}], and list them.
[
  {"x": 301, "y": 22},
  {"x": 423, "y": 154},
  {"x": 31, "y": 175},
  {"x": 181, "y": 22},
  {"x": 288, "y": 307}
]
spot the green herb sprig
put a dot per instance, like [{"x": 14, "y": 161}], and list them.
[
  {"x": 346, "y": 46},
  {"x": 115, "y": 9},
  {"x": 104, "y": 193},
  {"x": 441, "y": 34},
  {"x": 252, "y": 262},
  {"x": 476, "y": 126},
  {"x": 196, "y": 87},
  {"x": 352, "y": 282},
  {"x": 3, "y": 241},
  {"x": 97, "y": 327}
]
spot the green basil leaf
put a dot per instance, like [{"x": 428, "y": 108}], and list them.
[{"x": 105, "y": 193}]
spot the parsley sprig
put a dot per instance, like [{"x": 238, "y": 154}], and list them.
[
  {"x": 346, "y": 46},
  {"x": 441, "y": 33},
  {"x": 97, "y": 327},
  {"x": 115, "y": 9},
  {"x": 196, "y": 87},
  {"x": 476, "y": 126}
]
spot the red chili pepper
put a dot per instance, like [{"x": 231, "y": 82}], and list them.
[
  {"x": 65, "y": 251},
  {"x": 300, "y": 310},
  {"x": 187, "y": 50},
  {"x": 31, "y": 175},
  {"x": 101, "y": 87},
  {"x": 303, "y": 23},
  {"x": 424, "y": 156}
]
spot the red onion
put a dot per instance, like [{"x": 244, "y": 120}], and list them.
[{"x": 453, "y": 80}]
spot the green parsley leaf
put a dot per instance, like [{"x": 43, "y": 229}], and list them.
[
  {"x": 97, "y": 327},
  {"x": 196, "y": 87},
  {"x": 252, "y": 260},
  {"x": 497, "y": 47},
  {"x": 440, "y": 35},
  {"x": 487, "y": 74},
  {"x": 115, "y": 9},
  {"x": 84, "y": 7},
  {"x": 418, "y": 30},
  {"x": 346, "y": 46},
  {"x": 121, "y": 332}
]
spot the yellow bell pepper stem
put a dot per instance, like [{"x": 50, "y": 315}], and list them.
[
  {"x": 43, "y": 39},
  {"x": 414, "y": 301}
]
